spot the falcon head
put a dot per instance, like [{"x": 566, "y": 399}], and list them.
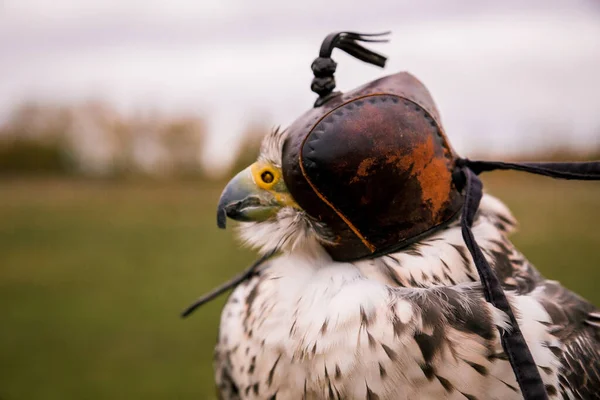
[
  {"x": 361, "y": 174},
  {"x": 259, "y": 199}
]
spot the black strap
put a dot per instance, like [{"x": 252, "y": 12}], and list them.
[
  {"x": 583, "y": 171},
  {"x": 514, "y": 344},
  {"x": 527, "y": 374},
  {"x": 230, "y": 284}
]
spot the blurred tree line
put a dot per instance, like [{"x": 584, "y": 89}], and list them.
[
  {"x": 94, "y": 140},
  {"x": 34, "y": 141}
]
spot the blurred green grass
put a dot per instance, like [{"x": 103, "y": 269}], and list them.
[{"x": 93, "y": 276}]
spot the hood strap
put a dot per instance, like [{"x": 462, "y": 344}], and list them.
[{"x": 524, "y": 367}]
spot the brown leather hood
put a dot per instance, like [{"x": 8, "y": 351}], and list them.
[{"x": 375, "y": 165}]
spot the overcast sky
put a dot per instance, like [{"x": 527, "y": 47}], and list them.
[{"x": 501, "y": 72}]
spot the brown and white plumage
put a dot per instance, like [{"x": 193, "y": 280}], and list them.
[{"x": 413, "y": 324}]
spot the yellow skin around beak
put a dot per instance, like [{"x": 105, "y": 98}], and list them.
[{"x": 255, "y": 194}]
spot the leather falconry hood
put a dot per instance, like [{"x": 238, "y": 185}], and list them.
[{"x": 375, "y": 166}]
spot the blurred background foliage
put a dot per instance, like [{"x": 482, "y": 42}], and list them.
[{"x": 93, "y": 140}]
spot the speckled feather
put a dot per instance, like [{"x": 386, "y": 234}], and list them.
[{"x": 408, "y": 325}]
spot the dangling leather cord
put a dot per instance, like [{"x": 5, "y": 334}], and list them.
[
  {"x": 248, "y": 273},
  {"x": 515, "y": 347},
  {"x": 230, "y": 284},
  {"x": 581, "y": 171}
]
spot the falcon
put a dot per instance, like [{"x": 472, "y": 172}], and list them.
[
  {"x": 408, "y": 325},
  {"x": 387, "y": 274}
]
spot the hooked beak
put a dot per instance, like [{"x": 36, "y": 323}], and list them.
[{"x": 243, "y": 200}]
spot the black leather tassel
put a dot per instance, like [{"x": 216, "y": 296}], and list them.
[{"x": 324, "y": 67}]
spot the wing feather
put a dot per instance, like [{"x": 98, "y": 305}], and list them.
[{"x": 576, "y": 324}]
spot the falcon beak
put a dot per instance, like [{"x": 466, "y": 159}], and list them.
[{"x": 244, "y": 200}]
